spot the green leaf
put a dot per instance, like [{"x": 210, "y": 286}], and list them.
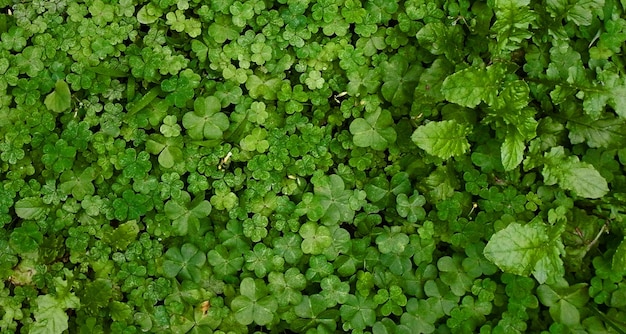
[
  {"x": 444, "y": 139},
  {"x": 399, "y": 80},
  {"x": 26, "y": 238},
  {"x": 571, "y": 174},
  {"x": 50, "y": 314},
  {"x": 124, "y": 235},
  {"x": 206, "y": 121},
  {"x": 579, "y": 12},
  {"x": 332, "y": 203},
  {"x": 60, "y": 99},
  {"x": 287, "y": 286},
  {"x": 221, "y": 30},
  {"x": 375, "y": 130},
  {"x": 411, "y": 207},
  {"x": 358, "y": 312},
  {"x": 253, "y": 305},
  {"x": 78, "y": 185},
  {"x": 149, "y": 13},
  {"x": 605, "y": 132},
  {"x": 50, "y": 318},
  {"x": 619, "y": 258},
  {"x": 185, "y": 262},
  {"x": 564, "y": 301},
  {"x": 31, "y": 208},
  {"x": 315, "y": 238},
  {"x": 419, "y": 316},
  {"x": 472, "y": 85},
  {"x": 525, "y": 249},
  {"x": 185, "y": 215},
  {"x": 440, "y": 38},
  {"x": 512, "y": 150},
  {"x": 391, "y": 241}
]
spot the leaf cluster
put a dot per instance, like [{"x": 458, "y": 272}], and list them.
[{"x": 176, "y": 166}]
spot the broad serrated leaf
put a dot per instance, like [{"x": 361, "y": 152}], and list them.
[
  {"x": 512, "y": 150},
  {"x": 578, "y": 11},
  {"x": 30, "y": 208},
  {"x": 444, "y": 139},
  {"x": 605, "y": 132},
  {"x": 571, "y": 174},
  {"x": 524, "y": 250},
  {"x": 472, "y": 85},
  {"x": 60, "y": 99}
]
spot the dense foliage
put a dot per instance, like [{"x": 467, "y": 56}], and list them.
[{"x": 231, "y": 166}]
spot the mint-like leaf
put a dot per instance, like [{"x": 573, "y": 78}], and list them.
[
  {"x": 526, "y": 249},
  {"x": 444, "y": 139}
]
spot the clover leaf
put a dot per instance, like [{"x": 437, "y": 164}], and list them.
[
  {"x": 134, "y": 165},
  {"x": 59, "y": 156},
  {"x": 206, "y": 121},
  {"x": 332, "y": 203},
  {"x": 181, "y": 87},
  {"x": 358, "y": 312},
  {"x": 374, "y": 130},
  {"x": 184, "y": 262},
  {"x": 315, "y": 238},
  {"x": 169, "y": 150},
  {"x": 254, "y": 305},
  {"x": 287, "y": 286},
  {"x": 399, "y": 80},
  {"x": 186, "y": 214}
]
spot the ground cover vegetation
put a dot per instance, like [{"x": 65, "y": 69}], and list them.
[{"x": 187, "y": 166}]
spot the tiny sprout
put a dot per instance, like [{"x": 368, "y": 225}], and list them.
[
  {"x": 474, "y": 206},
  {"x": 205, "y": 307},
  {"x": 224, "y": 163},
  {"x": 342, "y": 94}
]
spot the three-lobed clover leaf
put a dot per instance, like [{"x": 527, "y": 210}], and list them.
[
  {"x": 224, "y": 261},
  {"x": 26, "y": 238},
  {"x": 254, "y": 305},
  {"x": 206, "y": 121},
  {"x": 181, "y": 87},
  {"x": 169, "y": 149},
  {"x": 185, "y": 262},
  {"x": 332, "y": 203},
  {"x": 78, "y": 185},
  {"x": 375, "y": 130},
  {"x": 315, "y": 238},
  {"x": 564, "y": 301},
  {"x": 134, "y": 165},
  {"x": 411, "y": 207},
  {"x": 358, "y": 312},
  {"x": 287, "y": 286},
  {"x": 186, "y": 214},
  {"x": 60, "y": 156},
  {"x": 400, "y": 79},
  {"x": 131, "y": 205},
  {"x": 391, "y": 240}
]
